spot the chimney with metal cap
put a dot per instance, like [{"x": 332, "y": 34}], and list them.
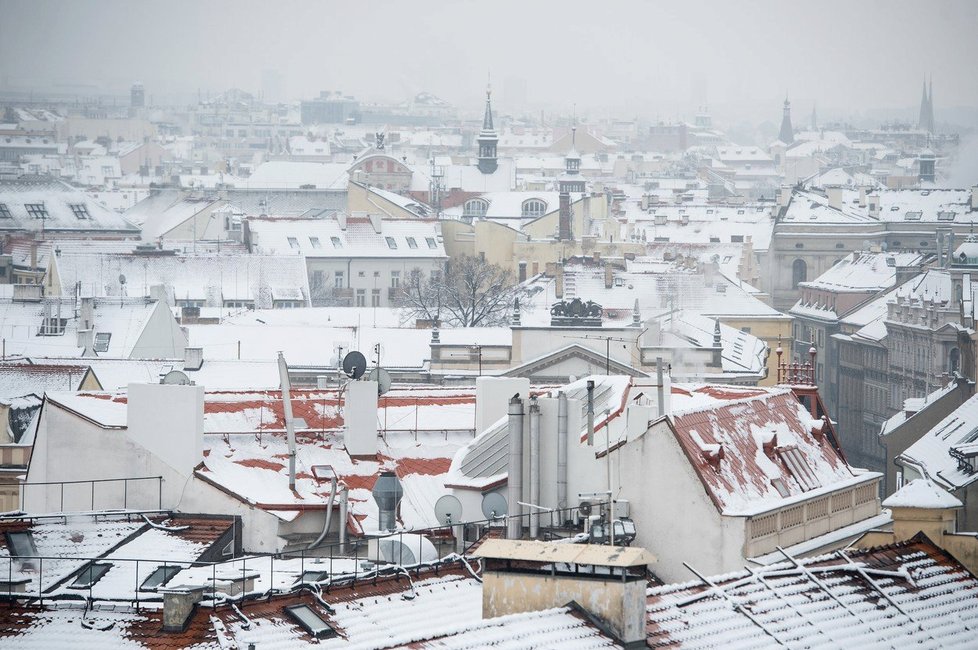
[{"x": 387, "y": 493}]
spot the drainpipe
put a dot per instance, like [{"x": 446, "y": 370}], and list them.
[
  {"x": 590, "y": 412},
  {"x": 283, "y": 370},
  {"x": 534, "y": 467},
  {"x": 344, "y": 513},
  {"x": 562, "y": 452},
  {"x": 660, "y": 389},
  {"x": 329, "y": 515},
  {"x": 514, "y": 525}
]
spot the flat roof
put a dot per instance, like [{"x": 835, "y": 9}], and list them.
[{"x": 593, "y": 554}]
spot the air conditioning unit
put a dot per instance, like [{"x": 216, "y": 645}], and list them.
[{"x": 589, "y": 506}]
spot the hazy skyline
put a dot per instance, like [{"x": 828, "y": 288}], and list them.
[{"x": 645, "y": 57}]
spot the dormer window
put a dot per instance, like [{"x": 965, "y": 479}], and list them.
[
  {"x": 80, "y": 210},
  {"x": 475, "y": 208},
  {"x": 533, "y": 208}
]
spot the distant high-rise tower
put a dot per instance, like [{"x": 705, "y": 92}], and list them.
[
  {"x": 787, "y": 135},
  {"x": 925, "y": 121},
  {"x": 137, "y": 96},
  {"x": 488, "y": 140}
]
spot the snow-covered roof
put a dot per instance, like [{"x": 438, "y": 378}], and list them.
[
  {"x": 922, "y": 493},
  {"x": 18, "y": 378},
  {"x": 863, "y": 272},
  {"x": 943, "y": 454},
  {"x": 701, "y": 224},
  {"x": 907, "y": 594},
  {"x": 280, "y": 174},
  {"x": 348, "y": 237},
  {"x": 53, "y": 206}
]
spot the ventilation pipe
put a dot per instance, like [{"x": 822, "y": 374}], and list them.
[
  {"x": 329, "y": 515},
  {"x": 344, "y": 514},
  {"x": 283, "y": 371},
  {"x": 660, "y": 389},
  {"x": 534, "y": 467},
  {"x": 514, "y": 525},
  {"x": 561, "y": 450},
  {"x": 387, "y": 493},
  {"x": 590, "y": 412}
]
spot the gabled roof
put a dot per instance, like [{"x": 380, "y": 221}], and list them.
[
  {"x": 58, "y": 199},
  {"x": 18, "y": 378},
  {"x": 942, "y": 454},
  {"x": 907, "y": 594},
  {"x": 538, "y": 366}
]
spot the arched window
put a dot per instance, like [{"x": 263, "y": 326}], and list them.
[
  {"x": 799, "y": 273},
  {"x": 954, "y": 360},
  {"x": 533, "y": 208},
  {"x": 475, "y": 208}
]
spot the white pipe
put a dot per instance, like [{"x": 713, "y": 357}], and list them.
[
  {"x": 660, "y": 388},
  {"x": 283, "y": 371},
  {"x": 329, "y": 514},
  {"x": 590, "y": 412},
  {"x": 344, "y": 513},
  {"x": 514, "y": 481},
  {"x": 562, "y": 452},
  {"x": 534, "y": 466}
]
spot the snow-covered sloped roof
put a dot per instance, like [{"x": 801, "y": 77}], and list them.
[
  {"x": 348, "y": 237},
  {"x": 18, "y": 379},
  {"x": 53, "y": 206},
  {"x": 280, "y": 174},
  {"x": 943, "y": 453},
  {"x": 921, "y": 493},
  {"x": 702, "y": 224},
  {"x": 907, "y": 594},
  {"x": 864, "y": 272},
  {"x": 748, "y": 440}
]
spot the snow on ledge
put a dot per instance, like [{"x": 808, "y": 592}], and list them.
[{"x": 922, "y": 493}]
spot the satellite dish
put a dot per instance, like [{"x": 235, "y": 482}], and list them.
[
  {"x": 176, "y": 378},
  {"x": 354, "y": 365},
  {"x": 122, "y": 278},
  {"x": 383, "y": 379},
  {"x": 448, "y": 510},
  {"x": 494, "y": 505}
]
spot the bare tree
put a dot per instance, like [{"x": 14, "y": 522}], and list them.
[{"x": 471, "y": 293}]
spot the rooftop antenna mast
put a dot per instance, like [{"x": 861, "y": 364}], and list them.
[{"x": 283, "y": 369}]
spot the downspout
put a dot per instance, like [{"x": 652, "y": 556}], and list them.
[
  {"x": 534, "y": 468},
  {"x": 283, "y": 369},
  {"x": 329, "y": 515},
  {"x": 514, "y": 525},
  {"x": 590, "y": 412},
  {"x": 562, "y": 453},
  {"x": 660, "y": 389}
]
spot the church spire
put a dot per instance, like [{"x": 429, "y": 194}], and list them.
[
  {"x": 488, "y": 139},
  {"x": 787, "y": 134}
]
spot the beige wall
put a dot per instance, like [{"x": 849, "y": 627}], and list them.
[{"x": 360, "y": 199}]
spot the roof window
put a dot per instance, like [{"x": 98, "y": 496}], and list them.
[
  {"x": 337, "y": 243},
  {"x": 431, "y": 242},
  {"x": 314, "y": 241},
  {"x": 159, "y": 578},
  {"x": 21, "y": 544},
  {"x": 102, "y": 341},
  {"x": 391, "y": 243},
  {"x": 293, "y": 242},
  {"x": 412, "y": 242},
  {"x": 310, "y": 621},
  {"x": 36, "y": 210},
  {"x": 913, "y": 216},
  {"x": 91, "y": 574},
  {"x": 80, "y": 210},
  {"x": 5, "y": 212}
]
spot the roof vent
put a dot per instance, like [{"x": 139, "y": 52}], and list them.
[{"x": 387, "y": 493}]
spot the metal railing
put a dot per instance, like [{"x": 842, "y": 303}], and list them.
[
  {"x": 33, "y": 567},
  {"x": 92, "y": 482}
]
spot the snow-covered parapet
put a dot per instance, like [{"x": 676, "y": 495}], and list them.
[{"x": 922, "y": 493}]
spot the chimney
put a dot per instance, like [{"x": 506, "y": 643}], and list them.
[
  {"x": 168, "y": 421},
  {"x": 559, "y": 281},
  {"x": 873, "y": 201},
  {"x": 179, "y": 604},
  {"x": 717, "y": 345},
  {"x": 862, "y": 196},
  {"x": 86, "y": 341},
  {"x": 784, "y": 196},
  {"x": 376, "y": 222},
  {"x": 514, "y": 482},
  {"x": 86, "y": 314},
  {"x": 609, "y": 276},
  {"x": 360, "y": 419},
  {"x": 193, "y": 358},
  {"x": 387, "y": 493},
  {"x": 922, "y": 506},
  {"x": 834, "y": 194},
  {"x": 564, "y": 218},
  {"x": 607, "y": 582}
]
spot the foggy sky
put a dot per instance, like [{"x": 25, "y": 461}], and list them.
[{"x": 650, "y": 58}]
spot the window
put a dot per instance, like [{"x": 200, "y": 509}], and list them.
[
  {"x": 36, "y": 210},
  {"x": 736, "y": 239},
  {"x": 80, "y": 210},
  {"x": 309, "y": 620},
  {"x": 395, "y": 279},
  {"x": 90, "y": 575},
  {"x": 798, "y": 466},
  {"x": 375, "y": 298},
  {"x": 412, "y": 243},
  {"x": 799, "y": 245},
  {"x": 21, "y": 544},
  {"x": 338, "y": 279},
  {"x": 799, "y": 273},
  {"x": 293, "y": 242},
  {"x": 5, "y": 211},
  {"x": 913, "y": 216},
  {"x": 314, "y": 241},
  {"x": 431, "y": 242},
  {"x": 533, "y": 208},
  {"x": 52, "y": 326},
  {"x": 475, "y": 208},
  {"x": 361, "y": 298},
  {"x": 945, "y": 216},
  {"x": 159, "y": 578},
  {"x": 391, "y": 243},
  {"x": 102, "y": 341},
  {"x": 336, "y": 242},
  {"x": 954, "y": 360}
]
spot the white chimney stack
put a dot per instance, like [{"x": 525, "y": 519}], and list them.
[
  {"x": 360, "y": 419},
  {"x": 168, "y": 421}
]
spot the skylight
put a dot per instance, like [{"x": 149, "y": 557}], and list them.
[
  {"x": 913, "y": 216},
  {"x": 22, "y": 544},
  {"x": 102, "y": 341},
  {"x": 80, "y": 210},
  {"x": 314, "y": 241},
  {"x": 944, "y": 215},
  {"x": 391, "y": 243},
  {"x": 310, "y": 621},
  {"x": 36, "y": 210},
  {"x": 336, "y": 242},
  {"x": 293, "y": 242},
  {"x": 5, "y": 212},
  {"x": 90, "y": 575},
  {"x": 159, "y": 577},
  {"x": 431, "y": 242},
  {"x": 412, "y": 243}
]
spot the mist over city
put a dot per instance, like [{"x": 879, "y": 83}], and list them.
[{"x": 523, "y": 324}]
